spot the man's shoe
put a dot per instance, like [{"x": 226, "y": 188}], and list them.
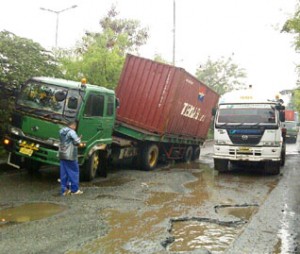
[
  {"x": 67, "y": 192},
  {"x": 79, "y": 192}
]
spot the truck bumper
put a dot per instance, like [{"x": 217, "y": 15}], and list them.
[
  {"x": 255, "y": 154},
  {"x": 44, "y": 153},
  {"x": 41, "y": 153}
]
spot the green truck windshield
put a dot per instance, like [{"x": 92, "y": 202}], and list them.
[{"x": 49, "y": 101}]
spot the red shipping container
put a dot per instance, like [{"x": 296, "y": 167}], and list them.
[
  {"x": 164, "y": 99},
  {"x": 289, "y": 115}
]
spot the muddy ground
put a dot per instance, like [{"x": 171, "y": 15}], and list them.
[{"x": 178, "y": 208}]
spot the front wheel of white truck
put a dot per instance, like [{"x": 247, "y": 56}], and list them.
[
  {"x": 221, "y": 165},
  {"x": 272, "y": 167}
]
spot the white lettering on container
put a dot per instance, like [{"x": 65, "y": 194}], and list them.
[
  {"x": 189, "y": 81},
  {"x": 192, "y": 112}
]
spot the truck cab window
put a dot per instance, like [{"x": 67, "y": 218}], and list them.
[
  {"x": 110, "y": 106},
  {"x": 94, "y": 105}
]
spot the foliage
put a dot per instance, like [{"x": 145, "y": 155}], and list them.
[
  {"x": 160, "y": 59},
  {"x": 221, "y": 75},
  {"x": 292, "y": 26},
  {"x": 99, "y": 57},
  {"x": 20, "y": 59},
  {"x": 296, "y": 99}
]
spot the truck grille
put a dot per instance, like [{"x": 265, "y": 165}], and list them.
[{"x": 245, "y": 139}]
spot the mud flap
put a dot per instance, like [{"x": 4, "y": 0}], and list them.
[{"x": 14, "y": 160}]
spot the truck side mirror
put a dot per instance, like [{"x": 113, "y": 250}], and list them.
[
  {"x": 73, "y": 103},
  {"x": 213, "y": 111},
  {"x": 60, "y": 96},
  {"x": 117, "y": 102},
  {"x": 282, "y": 116}
]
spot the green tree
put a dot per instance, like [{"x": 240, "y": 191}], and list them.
[
  {"x": 99, "y": 57},
  {"x": 160, "y": 59},
  {"x": 292, "y": 26},
  {"x": 20, "y": 59},
  {"x": 296, "y": 100},
  {"x": 222, "y": 75}
]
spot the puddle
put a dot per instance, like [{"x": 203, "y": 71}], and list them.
[
  {"x": 29, "y": 212},
  {"x": 182, "y": 166},
  {"x": 193, "y": 235},
  {"x": 130, "y": 227},
  {"x": 243, "y": 212},
  {"x": 158, "y": 198}
]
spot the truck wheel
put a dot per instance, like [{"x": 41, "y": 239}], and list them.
[
  {"x": 272, "y": 167},
  {"x": 31, "y": 166},
  {"x": 282, "y": 159},
  {"x": 89, "y": 169},
  {"x": 196, "y": 153},
  {"x": 103, "y": 165},
  {"x": 149, "y": 157},
  {"x": 188, "y": 154},
  {"x": 221, "y": 165}
]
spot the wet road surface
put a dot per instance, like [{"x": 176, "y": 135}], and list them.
[{"x": 179, "y": 208}]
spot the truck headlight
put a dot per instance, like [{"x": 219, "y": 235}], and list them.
[
  {"x": 16, "y": 131},
  {"x": 271, "y": 143},
  {"x": 82, "y": 145}
]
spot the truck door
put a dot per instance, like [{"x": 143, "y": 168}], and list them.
[{"x": 97, "y": 119}]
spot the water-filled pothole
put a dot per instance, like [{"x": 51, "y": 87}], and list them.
[
  {"x": 29, "y": 212},
  {"x": 243, "y": 212},
  {"x": 189, "y": 234}
]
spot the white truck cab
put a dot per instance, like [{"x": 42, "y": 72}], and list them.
[{"x": 248, "y": 127}]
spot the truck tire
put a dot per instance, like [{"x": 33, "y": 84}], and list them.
[
  {"x": 196, "y": 153},
  {"x": 149, "y": 157},
  {"x": 282, "y": 159},
  {"x": 103, "y": 164},
  {"x": 90, "y": 167},
  {"x": 272, "y": 167},
  {"x": 188, "y": 154},
  {"x": 221, "y": 165}
]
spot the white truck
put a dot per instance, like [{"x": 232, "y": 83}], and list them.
[{"x": 248, "y": 127}]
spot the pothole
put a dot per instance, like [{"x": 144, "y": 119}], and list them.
[
  {"x": 189, "y": 234},
  {"x": 243, "y": 212},
  {"x": 29, "y": 212}
]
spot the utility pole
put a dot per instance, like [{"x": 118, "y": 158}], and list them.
[
  {"x": 57, "y": 19},
  {"x": 174, "y": 31}
]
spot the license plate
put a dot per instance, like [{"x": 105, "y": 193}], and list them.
[
  {"x": 244, "y": 149},
  {"x": 26, "y": 151}
]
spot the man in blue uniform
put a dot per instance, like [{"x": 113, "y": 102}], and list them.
[{"x": 69, "y": 168}]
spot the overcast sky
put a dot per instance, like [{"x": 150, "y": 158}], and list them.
[{"x": 247, "y": 30}]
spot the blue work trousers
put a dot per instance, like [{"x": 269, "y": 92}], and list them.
[{"x": 69, "y": 175}]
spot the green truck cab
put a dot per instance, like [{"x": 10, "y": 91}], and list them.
[{"x": 43, "y": 106}]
